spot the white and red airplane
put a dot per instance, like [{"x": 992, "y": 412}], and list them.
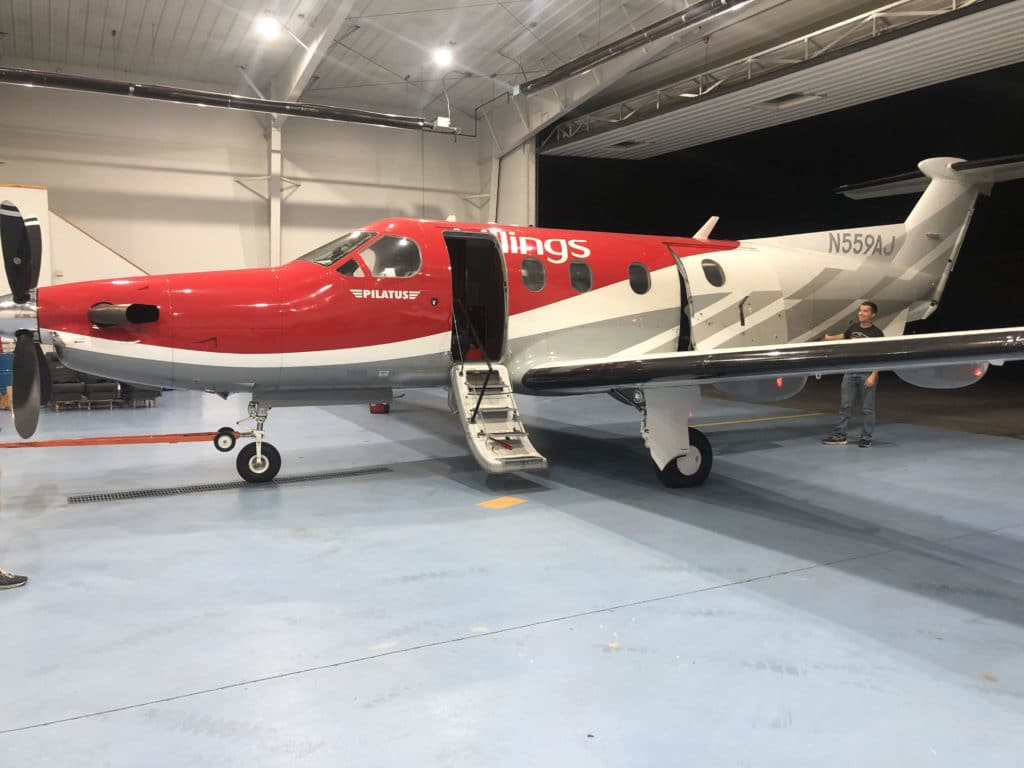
[{"x": 496, "y": 311}]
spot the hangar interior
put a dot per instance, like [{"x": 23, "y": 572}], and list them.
[{"x": 387, "y": 602}]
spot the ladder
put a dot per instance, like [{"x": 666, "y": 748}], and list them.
[{"x": 497, "y": 437}]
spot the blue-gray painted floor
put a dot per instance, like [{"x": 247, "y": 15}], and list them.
[{"x": 807, "y": 606}]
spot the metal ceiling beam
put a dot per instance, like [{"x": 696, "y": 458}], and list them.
[
  {"x": 291, "y": 82},
  {"x": 37, "y": 78},
  {"x": 983, "y": 36},
  {"x": 859, "y": 29},
  {"x": 537, "y": 103}
]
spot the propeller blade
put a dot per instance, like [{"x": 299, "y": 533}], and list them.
[
  {"x": 25, "y": 395},
  {"x": 23, "y": 254},
  {"x": 45, "y": 380}
]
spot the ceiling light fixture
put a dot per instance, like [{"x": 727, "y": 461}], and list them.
[
  {"x": 443, "y": 57},
  {"x": 268, "y": 27}
]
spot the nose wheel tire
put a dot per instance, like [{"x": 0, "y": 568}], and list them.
[
  {"x": 225, "y": 440},
  {"x": 691, "y": 468},
  {"x": 262, "y": 470}
]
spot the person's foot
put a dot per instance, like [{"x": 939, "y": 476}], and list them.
[
  {"x": 835, "y": 439},
  {"x": 10, "y": 581},
  {"x": 864, "y": 442}
]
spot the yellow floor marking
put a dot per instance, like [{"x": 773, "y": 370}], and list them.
[
  {"x": 762, "y": 418},
  {"x": 502, "y": 502}
]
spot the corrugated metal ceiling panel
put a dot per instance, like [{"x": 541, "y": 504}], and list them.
[{"x": 974, "y": 43}]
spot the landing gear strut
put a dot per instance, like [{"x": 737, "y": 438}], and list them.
[
  {"x": 258, "y": 462},
  {"x": 681, "y": 454}
]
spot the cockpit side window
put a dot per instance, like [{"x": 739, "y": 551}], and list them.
[
  {"x": 328, "y": 254},
  {"x": 351, "y": 268},
  {"x": 392, "y": 256}
]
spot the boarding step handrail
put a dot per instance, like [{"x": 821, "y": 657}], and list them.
[{"x": 490, "y": 419}]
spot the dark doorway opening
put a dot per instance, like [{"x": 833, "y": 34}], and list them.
[{"x": 478, "y": 296}]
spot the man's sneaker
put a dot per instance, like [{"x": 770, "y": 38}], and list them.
[
  {"x": 835, "y": 440},
  {"x": 864, "y": 442},
  {"x": 10, "y": 581}
]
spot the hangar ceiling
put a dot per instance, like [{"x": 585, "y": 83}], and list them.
[{"x": 377, "y": 54}]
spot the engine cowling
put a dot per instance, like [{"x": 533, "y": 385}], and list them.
[
  {"x": 952, "y": 376},
  {"x": 762, "y": 390}
]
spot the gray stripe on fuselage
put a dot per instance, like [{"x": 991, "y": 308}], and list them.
[
  {"x": 731, "y": 315},
  {"x": 420, "y": 371},
  {"x": 701, "y": 301},
  {"x": 815, "y": 284}
]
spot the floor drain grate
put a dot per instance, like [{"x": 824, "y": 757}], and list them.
[{"x": 146, "y": 493}]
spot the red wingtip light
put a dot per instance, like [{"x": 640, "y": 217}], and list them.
[{"x": 778, "y": 382}]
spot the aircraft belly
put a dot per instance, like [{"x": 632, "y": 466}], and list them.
[
  {"x": 420, "y": 371},
  {"x": 121, "y": 361}
]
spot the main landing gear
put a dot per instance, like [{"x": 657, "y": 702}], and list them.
[
  {"x": 257, "y": 462},
  {"x": 682, "y": 455}
]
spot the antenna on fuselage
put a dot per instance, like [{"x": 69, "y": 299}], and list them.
[{"x": 705, "y": 232}]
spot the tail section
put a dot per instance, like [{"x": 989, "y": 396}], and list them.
[{"x": 935, "y": 228}]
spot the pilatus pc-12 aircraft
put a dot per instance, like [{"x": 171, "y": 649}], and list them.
[{"x": 497, "y": 311}]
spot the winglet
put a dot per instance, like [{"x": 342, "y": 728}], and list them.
[{"x": 705, "y": 232}]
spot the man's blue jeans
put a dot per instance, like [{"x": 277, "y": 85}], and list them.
[{"x": 854, "y": 388}]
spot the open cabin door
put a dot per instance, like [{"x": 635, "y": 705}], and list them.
[
  {"x": 479, "y": 297},
  {"x": 732, "y": 298},
  {"x": 481, "y": 388}
]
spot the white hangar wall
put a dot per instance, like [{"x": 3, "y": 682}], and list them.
[
  {"x": 156, "y": 182},
  {"x": 352, "y": 174}
]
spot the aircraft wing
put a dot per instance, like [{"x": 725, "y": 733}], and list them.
[{"x": 764, "y": 362}]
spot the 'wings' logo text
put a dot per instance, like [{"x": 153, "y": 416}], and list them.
[
  {"x": 555, "y": 249},
  {"x": 377, "y": 293}
]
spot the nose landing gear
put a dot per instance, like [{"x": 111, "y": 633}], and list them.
[{"x": 257, "y": 462}]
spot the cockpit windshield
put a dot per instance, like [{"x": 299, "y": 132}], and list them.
[{"x": 327, "y": 254}]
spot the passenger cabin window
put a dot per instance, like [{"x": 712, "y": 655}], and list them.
[
  {"x": 713, "y": 272},
  {"x": 328, "y": 254},
  {"x": 639, "y": 278},
  {"x": 533, "y": 273},
  {"x": 580, "y": 276},
  {"x": 392, "y": 256}
]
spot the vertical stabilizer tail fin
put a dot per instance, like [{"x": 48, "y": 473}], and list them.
[{"x": 935, "y": 228}]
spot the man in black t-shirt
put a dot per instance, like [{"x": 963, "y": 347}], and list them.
[{"x": 857, "y": 385}]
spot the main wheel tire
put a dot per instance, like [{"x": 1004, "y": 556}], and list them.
[
  {"x": 691, "y": 468},
  {"x": 258, "y": 472},
  {"x": 224, "y": 440}
]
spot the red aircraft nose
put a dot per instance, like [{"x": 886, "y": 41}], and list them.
[{"x": 109, "y": 307}]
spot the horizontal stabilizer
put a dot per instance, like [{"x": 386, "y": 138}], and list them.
[
  {"x": 802, "y": 359},
  {"x": 979, "y": 172}
]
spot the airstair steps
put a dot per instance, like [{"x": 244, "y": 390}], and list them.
[{"x": 490, "y": 418}]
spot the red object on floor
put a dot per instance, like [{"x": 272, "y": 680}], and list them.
[
  {"x": 184, "y": 437},
  {"x": 380, "y": 407}
]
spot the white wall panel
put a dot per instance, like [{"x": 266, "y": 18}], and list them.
[
  {"x": 153, "y": 181},
  {"x": 517, "y": 186},
  {"x": 353, "y": 174},
  {"x": 156, "y": 182}
]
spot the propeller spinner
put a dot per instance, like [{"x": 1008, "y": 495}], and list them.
[{"x": 22, "y": 248}]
